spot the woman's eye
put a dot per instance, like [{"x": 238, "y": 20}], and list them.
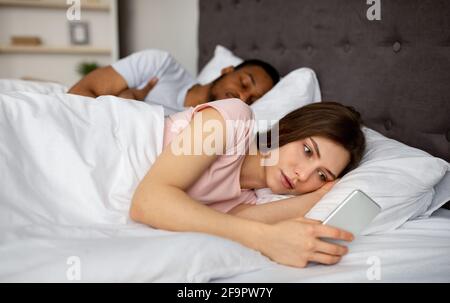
[
  {"x": 322, "y": 176},
  {"x": 307, "y": 150}
]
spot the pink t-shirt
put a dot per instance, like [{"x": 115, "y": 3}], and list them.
[{"x": 219, "y": 186}]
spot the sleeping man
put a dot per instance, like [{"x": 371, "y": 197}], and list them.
[{"x": 155, "y": 76}]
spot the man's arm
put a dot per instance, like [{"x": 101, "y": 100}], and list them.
[
  {"x": 139, "y": 94},
  {"x": 102, "y": 81}
]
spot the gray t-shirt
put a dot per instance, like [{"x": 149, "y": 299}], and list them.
[{"x": 174, "y": 80}]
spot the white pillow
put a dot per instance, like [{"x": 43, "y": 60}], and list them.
[
  {"x": 298, "y": 88},
  {"x": 222, "y": 58},
  {"x": 441, "y": 196},
  {"x": 400, "y": 178}
]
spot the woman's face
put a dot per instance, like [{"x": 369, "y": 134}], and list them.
[{"x": 306, "y": 165}]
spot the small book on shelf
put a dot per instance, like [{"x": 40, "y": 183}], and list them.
[{"x": 26, "y": 40}]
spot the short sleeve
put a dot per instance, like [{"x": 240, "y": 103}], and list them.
[
  {"x": 138, "y": 68},
  {"x": 239, "y": 121}
]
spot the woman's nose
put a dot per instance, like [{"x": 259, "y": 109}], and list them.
[{"x": 303, "y": 173}]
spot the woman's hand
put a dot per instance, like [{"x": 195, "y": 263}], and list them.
[{"x": 297, "y": 242}]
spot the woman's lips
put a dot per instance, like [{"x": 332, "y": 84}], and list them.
[{"x": 285, "y": 181}]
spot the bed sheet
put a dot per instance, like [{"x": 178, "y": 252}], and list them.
[{"x": 419, "y": 251}]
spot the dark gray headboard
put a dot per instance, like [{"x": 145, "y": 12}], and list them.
[{"x": 395, "y": 72}]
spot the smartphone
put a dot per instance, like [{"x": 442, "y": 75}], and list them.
[{"x": 354, "y": 213}]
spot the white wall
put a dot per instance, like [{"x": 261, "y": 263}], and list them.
[{"x": 171, "y": 25}]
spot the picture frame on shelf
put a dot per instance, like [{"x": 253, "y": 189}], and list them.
[{"x": 79, "y": 33}]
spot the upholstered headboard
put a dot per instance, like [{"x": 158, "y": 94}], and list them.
[{"x": 394, "y": 71}]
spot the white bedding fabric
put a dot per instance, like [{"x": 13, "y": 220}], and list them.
[
  {"x": 69, "y": 159},
  {"x": 32, "y": 86},
  {"x": 419, "y": 251},
  {"x": 118, "y": 253},
  {"x": 69, "y": 166}
]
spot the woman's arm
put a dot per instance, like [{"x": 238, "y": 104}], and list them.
[
  {"x": 285, "y": 209},
  {"x": 161, "y": 201},
  {"x": 170, "y": 208},
  {"x": 273, "y": 212}
]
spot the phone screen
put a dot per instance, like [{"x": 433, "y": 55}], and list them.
[{"x": 354, "y": 214}]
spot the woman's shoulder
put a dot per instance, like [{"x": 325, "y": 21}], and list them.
[{"x": 230, "y": 109}]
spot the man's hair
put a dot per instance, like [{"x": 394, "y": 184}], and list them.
[{"x": 269, "y": 69}]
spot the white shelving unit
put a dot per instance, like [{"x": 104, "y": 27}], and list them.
[
  {"x": 56, "y": 59},
  {"x": 86, "y": 4}
]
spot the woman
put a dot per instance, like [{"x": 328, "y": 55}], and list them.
[{"x": 317, "y": 144}]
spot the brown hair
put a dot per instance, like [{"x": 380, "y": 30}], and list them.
[{"x": 332, "y": 120}]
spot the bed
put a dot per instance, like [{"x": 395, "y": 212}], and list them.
[
  {"x": 387, "y": 258},
  {"x": 394, "y": 71}
]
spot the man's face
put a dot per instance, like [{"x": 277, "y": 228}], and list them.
[{"x": 248, "y": 83}]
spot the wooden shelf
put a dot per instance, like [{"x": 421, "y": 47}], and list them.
[
  {"x": 69, "y": 50},
  {"x": 59, "y": 4}
]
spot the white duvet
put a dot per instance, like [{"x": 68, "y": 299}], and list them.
[
  {"x": 69, "y": 159},
  {"x": 69, "y": 166}
]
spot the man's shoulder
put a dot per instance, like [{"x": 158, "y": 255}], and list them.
[
  {"x": 165, "y": 59},
  {"x": 153, "y": 53}
]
